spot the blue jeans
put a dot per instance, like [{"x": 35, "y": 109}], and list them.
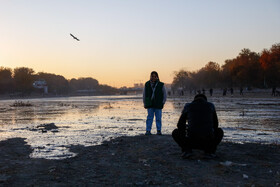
[{"x": 150, "y": 118}]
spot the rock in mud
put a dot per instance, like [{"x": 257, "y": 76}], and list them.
[{"x": 47, "y": 126}]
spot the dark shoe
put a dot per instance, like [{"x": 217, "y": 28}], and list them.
[
  {"x": 148, "y": 133},
  {"x": 159, "y": 133},
  {"x": 186, "y": 154},
  {"x": 210, "y": 156}
]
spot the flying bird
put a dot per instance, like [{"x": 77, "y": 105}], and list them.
[{"x": 74, "y": 37}]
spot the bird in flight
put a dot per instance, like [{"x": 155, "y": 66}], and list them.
[{"x": 74, "y": 37}]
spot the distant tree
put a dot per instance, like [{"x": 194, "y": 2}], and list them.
[
  {"x": 73, "y": 84},
  {"x": 270, "y": 63},
  {"x": 226, "y": 71},
  {"x": 57, "y": 84},
  {"x": 183, "y": 80},
  {"x": 209, "y": 75},
  {"x": 108, "y": 90},
  {"x": 250, "y": 70},
  {"x": 23, "y": 78},
  {"x": 212, "y": 67},
  {"x": 245, "y": 69},
  {"x": 6, "y": 80},
  {"x": 84, "y": 84},
  {"x": 199, "y": 79}
]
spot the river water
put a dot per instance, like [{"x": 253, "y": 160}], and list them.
[{"x": 90, "y": 120}]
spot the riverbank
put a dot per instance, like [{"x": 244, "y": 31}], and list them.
[
  {"x": 218, "y": 92},
  {"x": 141, "y": 160}
]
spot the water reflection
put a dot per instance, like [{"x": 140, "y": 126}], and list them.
[{"x": 45, "y": 111}]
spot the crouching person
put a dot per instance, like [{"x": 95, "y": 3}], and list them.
[{"x": 202, "y": 130}]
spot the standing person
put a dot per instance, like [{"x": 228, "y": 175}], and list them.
[
  {"x": 182, "y": 92},
  {"x": 154, "y": 97},
  {"x": 202, "y": 130},
  {"x": 225, "y": 92},
  {"x": 231, "y": 92},
  {"x": 211, "y": 91},
  {"x": 241, "y": 91},
  {"x": 273, "y": 90}
]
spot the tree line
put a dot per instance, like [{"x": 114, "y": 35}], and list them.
[
  {"x": 21, "y": 79},
  {"x": 248, "y": 69}
]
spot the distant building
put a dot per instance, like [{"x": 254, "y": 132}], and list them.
[
  {"x": 138, "y": 85},
  {"x": 136, "y": 89},
  {"x": 41, "y": 84}
]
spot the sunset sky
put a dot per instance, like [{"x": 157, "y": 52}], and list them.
[{"x": 122, "y": 41}]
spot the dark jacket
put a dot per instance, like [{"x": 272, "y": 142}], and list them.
[
  {"x": 159, "y": 95},
  {"x": 202, "y": 119}
]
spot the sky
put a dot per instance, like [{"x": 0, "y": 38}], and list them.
[{"x": 122, "y": 41}]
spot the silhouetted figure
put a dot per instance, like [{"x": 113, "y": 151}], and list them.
[
  {"x": 273, "y": 91},
  {"x": 211, "y": 91},
  {"x": 74, "y": 37},
  {"x": 241, "y": 91},
  {"x": 154, "y": 97},
  {"x": 202, "y": 130},
  {"x": 169, "y": 93},
  {"x": 203, "y": 91},
  {"x": 198, "y": 91},
  {"x": 231, "y": 91},
  {"x": 225, "y": 92},
  {"x": 182, "y": 92}
]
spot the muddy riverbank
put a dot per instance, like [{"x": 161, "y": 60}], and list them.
[{"x": 141, "y": 160}]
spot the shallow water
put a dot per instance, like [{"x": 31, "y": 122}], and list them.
[{"x": 91, "y": 120}]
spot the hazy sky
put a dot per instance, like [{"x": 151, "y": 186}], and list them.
[{"x": 122, "y": 41}]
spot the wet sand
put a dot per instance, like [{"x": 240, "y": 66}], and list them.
[{"x": 140, "y": 161}]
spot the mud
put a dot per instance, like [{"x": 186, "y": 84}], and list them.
[{"x": 141, "y": 161}]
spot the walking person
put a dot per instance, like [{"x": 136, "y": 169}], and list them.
[{"x": 154, "y": 97}]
